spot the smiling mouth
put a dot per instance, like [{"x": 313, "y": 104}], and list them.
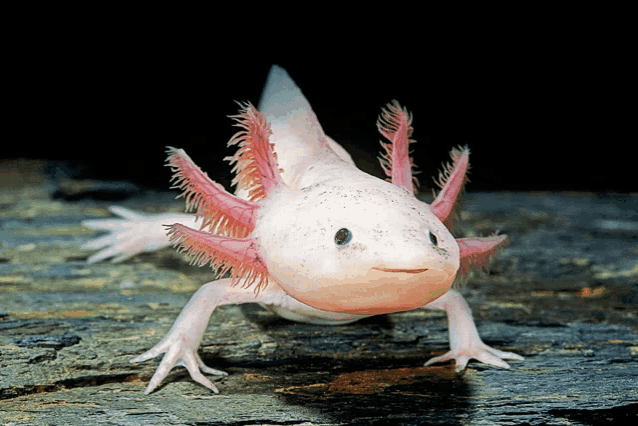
[{"x": 407, "y": 271}]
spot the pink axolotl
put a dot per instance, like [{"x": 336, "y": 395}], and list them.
[{"x": 308, "y": 234}]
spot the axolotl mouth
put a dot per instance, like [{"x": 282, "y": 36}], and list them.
[
  {"x": 407, "y": 271},
  {"x": 380, "y": 290}
]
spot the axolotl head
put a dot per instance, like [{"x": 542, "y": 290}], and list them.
[{"x": 357, "y": 245}]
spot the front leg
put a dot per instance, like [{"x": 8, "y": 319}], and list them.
[
  {"x": 465, "y": 342},
  {"x": 181, "y": 342}
]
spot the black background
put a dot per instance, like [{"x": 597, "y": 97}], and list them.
[{"x": 535, "y": 119}]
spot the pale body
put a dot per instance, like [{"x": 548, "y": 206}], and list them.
[{"x": 296, "y": 229}]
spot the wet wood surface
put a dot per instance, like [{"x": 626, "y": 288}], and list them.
[{"x": 564, "y": 294}]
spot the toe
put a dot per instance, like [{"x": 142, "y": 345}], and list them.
[
  {"x": 151, "y": 353},
  {"x": 122, "y": 257},
  {"x": 446, "y": 357},
  {"x": 488, "y": 358},
  {"x": 101, "y": 255},
  {"x": 190, "y": 361},
  {"x": 127, "y": 213},
  {"x": 168, "y": 362},
  {"x": 203, "y": 380},
  {"x": 206, "y": 369},
  {"x": 512, "y": 355}
]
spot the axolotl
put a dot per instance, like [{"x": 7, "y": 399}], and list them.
[{"x": 308, "y": 234}]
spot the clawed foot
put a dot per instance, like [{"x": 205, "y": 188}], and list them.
[
  {"x": 177, "y": 354},
  {"x": 479, "y": 351}
]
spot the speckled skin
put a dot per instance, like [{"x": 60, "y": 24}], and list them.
[{"x": 389, "y": 265}]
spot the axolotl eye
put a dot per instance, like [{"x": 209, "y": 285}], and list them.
[
  {"x": 343, "y": 237},
  {"x": 433, "y": 238}
]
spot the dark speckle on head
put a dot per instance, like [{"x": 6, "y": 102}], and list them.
[
  {"x": 443, "y": 252},
  {"x": 357, "y": 247},
  {"x": 352, "y": 250}
]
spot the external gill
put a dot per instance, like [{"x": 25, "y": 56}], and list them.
[
  {"x": 256, "y": 167},
  {"x": 451, "y": 181},
  {"x": 229, "y": 219},
  {"x": 395, "y": 124},
  {"x": 478, "y": 253},
  {"x": 221, "y": 212},
  {"x": 223, "y": 253}
]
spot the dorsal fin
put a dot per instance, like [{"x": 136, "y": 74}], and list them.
[
  {"x": 280, "y": 91},
  {"x": 395, "y": 124},
  {"x": 292, "y": 120}
]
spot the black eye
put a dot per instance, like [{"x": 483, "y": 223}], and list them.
[
  {"x": 433, "y": 238},
  {"x": 343, "y": 236}
]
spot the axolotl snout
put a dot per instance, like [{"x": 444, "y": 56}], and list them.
[{"x": 309, "y": 235}]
